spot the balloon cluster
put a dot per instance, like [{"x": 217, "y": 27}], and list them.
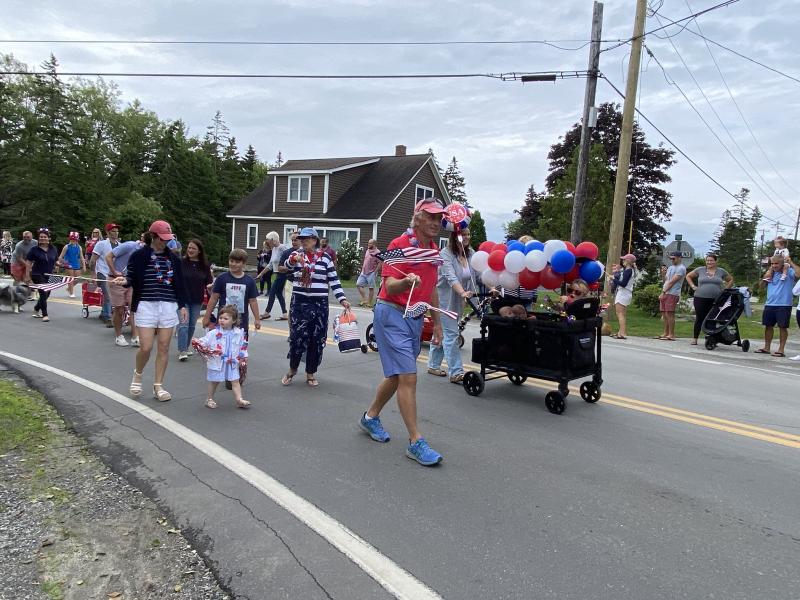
[{"x": 537, "y": 264}]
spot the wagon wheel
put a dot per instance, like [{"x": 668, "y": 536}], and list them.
[
  {"x": 554, "y": 402},
  {"x": 460, "y": 341},
  {"x": 85, "y": 312},
  {"x": 473, "y": 383},
  {"x": 745, "y": 345},
  {"x": 517, "y": 379},
  {"x": 364, "y": 348},
  {"x": 710, "y": 344},
  {"x": 590, "y": 392},
  {"x": 371, "y": 341}
]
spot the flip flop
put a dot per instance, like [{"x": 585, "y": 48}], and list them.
[
  {"x": 282, "y": 319},
  {"x": 762, "y": 351},
  {"x": 312, "y": 381},
  {"x": 287, "y": 379},
  {"x": 778, "y": 355}
]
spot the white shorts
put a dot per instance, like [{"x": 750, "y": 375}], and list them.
[
  {"x": 622, "y": 297},
  {"x": 157, "y": 315}
]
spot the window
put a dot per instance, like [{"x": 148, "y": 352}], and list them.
[
  {"x": 443, "y": 242},
  {"x": 288, "y": 230},
  {"x": 300, "y": 189},
  {"x": 423, "y": 192},
  {"x": 337, "y": 235},
  {"x": 252, "y": 236}
]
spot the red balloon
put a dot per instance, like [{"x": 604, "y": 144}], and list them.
[
  {"x": 497, "y": 260},
  {"x": 587, "y": 250},
  {"x": 550, "y": 280},
  {"x": 501, "y": 247},
  {"x": 570, "y": 247},
  {"x": 487, "y": 246},
  {"x": 594, "y": 286},
  {"x": 529, "y": 280},
  {"x": 573, "y": 274}
]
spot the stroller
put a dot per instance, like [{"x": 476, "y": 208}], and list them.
[{"x": 721, "y": 324}]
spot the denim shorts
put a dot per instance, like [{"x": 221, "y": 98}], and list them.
[
  {"x": 399, "y": 340},
  {"x": 366, "y": 280}
]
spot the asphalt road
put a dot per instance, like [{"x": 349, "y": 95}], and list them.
[{"x": 682, "y": 482}]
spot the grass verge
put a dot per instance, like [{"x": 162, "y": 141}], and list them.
[{"x": 22, "y": 418}]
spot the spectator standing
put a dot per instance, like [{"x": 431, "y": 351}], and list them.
[
  {"x": 72, "y": 260},
  {"x": 399, "y": 337},
  {"x": 102, "y": 270},
  {"x": 196, "y": 279},
  {"x": 778, "y": 307},
  {"x": 281, "y": 275},
  {"x": 121, "y": 296},
  {"x": 273, "y": 261},
  {"x": 264, "y": 276},
  {"x": 90, "y": 243},
  {"x": 623, "y": 282},
  {"x": 6, "y": 252},
  {"x": 369, "y": 272},
  {"x": 328, "y": 249},
  {"x": 19, "y": 265},
  {"x": 41, "y": 262},
  {"x": 671, "y": 295},
  {"x": 707, "y": 283},
  {"x": 313, "y": 275}
]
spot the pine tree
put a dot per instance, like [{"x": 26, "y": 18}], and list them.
[
  {"x": 737, "y": 241},
  {"x": 477, "y": 230},
  {"x": 454, "y": 183},
  {"x": 529, "y": 216}
]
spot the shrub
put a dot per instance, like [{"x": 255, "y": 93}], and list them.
[
  {"x": 646, "y": 298},
  {"x": 348, "y": 259}
]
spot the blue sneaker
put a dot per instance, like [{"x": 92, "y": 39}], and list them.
[
  {"x": 374, "y": 428},
  {"x": 423, "y": 454}
]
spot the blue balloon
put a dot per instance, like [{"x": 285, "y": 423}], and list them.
[
  {"x": 536, "y": 245},
  {"x": 562, "y": 261},
  {"x": 515, "y": 245},
  {"x": 530, "y": 246},
  {"x": 591, "y": 271}
]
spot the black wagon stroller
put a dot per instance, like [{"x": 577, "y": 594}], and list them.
[{"x": 721, "y": 325}]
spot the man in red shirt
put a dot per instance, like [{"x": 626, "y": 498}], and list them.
[{"x": 398, "y": 337}]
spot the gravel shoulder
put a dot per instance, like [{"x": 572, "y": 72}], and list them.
[{"x": 70, "y": 528}]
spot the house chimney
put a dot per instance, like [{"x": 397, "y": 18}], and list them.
[{"x": 400, "y": 150}]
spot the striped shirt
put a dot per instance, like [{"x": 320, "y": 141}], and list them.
[
  {"x": 322, "y": 277},
  {"x": 153, "y": 290}
]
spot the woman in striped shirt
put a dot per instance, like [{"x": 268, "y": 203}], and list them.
[{"x": 313, "y": 274}]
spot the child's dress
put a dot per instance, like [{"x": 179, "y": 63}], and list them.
[{"x": 225, "y": 352}]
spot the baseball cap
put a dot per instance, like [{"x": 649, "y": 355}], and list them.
[
  {"x": 675, "y": 255},
  {"x": 111, "y": 226},
  {"x": 308, "y": 232},
  {"x": 162, "y": 229},
  {"x": 429, "y": 205},
  {"x": 629, "y": 257}
]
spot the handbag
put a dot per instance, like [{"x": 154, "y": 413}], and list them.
[{"x": 345, "y": 332}]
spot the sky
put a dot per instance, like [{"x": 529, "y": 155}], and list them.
[{"x": 499, "y": 131}]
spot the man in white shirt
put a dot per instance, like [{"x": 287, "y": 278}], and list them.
[{"x": 102, "y": 271}]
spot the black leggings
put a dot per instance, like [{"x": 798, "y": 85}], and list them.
[
  {"x": 41, "y": 303},
  {"x": 265, "y": 281},
  {"x": 702, "y": 306},
  {"x": 6, "y": 268}
]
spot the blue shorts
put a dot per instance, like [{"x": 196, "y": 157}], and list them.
[
  {"x": 399, "y": 340},
  {"x": 777, "y": 315},
  {"x": 366, "y": 280}
]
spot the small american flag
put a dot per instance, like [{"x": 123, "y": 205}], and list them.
[
  {"x": 410, "y": 255},
  {"x": 53, "y": 283},
  {"x": 420, "y": 308}
]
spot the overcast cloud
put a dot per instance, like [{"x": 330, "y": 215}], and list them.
[{"x": 499, "y": 131}]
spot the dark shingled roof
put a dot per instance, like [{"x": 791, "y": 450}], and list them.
[
  {"x": 366, "y": 199},
  {"x": 321, "y": 164}
]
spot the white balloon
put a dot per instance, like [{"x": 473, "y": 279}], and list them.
[
  {"x": 553, "y": 246},
  {"x": 535, "y": 261},
  {"x": 602, "y": 267},
  {"x": 509, "y": 281},
  {"x": 480, "y": 260},
  {"x": 490, "y": 278},
  {"x": 514, "y": 261}
]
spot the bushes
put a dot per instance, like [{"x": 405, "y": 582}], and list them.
[
  {"x": 348, "y": 259},
  {"x": 646, "y": 298}
]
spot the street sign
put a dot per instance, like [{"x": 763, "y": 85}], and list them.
[{"x": 679, "y": 245}]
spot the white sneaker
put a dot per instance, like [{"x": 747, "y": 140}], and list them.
[
  {"x": 795, "y": 358},
  {"x": 182, "y": 356},
  {"x": 190, "y": 352},
  {"x": 121, "y": 341},
  {"x": 135, "y": 342},
  {"x": 72, "y": 295}
]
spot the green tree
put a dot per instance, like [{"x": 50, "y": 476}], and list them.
[
  {"x": 477, "y": 230},
  {"x": 737, "y": 240},
  {"x": 454, "y": 183},
  {"x": 529, "y": 216},
  {"x": 135, "y": 214}
]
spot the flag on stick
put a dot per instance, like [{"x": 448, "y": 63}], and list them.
[
  {"x": 420, "y": 308},
  {"x": 410, "y": 255},
  {"x": 53, "y": 283}
]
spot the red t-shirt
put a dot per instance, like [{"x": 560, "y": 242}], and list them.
[{"x": 428, "y": 272}]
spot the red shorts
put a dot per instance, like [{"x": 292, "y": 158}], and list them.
[
  {"x": 18, "y": 271},
  {"x": 668, "y": 302}
]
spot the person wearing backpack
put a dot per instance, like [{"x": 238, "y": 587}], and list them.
[{"x": 623, "y": 283}]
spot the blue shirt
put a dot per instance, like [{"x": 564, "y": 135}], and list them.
[
  {"x": 779, "y": 293},
  {"x": 237, "y": 291},
  {"x": 122, "y": 254}
]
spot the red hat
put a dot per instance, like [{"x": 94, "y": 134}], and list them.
[
  {"x": 429, "y": 205},
  {"x": 162, "y": 229},
  {"x": 111, "y": 226}
]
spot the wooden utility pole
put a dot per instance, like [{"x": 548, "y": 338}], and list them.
[
  {"x": 623, "y": 161},
  {"x": 589, "y": 121},
  {"x": 797, "y": 224}
]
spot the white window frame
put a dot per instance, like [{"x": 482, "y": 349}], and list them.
[
  {"x": 323, "y": 232},
  {"x": 253, "y": 236},
  {"x": 425, "y": 189},
  {"x": 443, "y": 241},
  {"x": 288, "y": 230},
  {"x": 298, "y": 178}
]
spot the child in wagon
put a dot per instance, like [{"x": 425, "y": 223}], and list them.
[{"x": 224, "y": 349}]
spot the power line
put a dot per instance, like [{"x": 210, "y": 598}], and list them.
[
  {"x": 678, "y": 148},
  {"x": 739, "y": 110},
  {"x": 714, "y": 133}
]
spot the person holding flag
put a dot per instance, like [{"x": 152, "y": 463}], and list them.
[
  {"x": 410, "y": 273},
  {"x": 41, "y": 262}
]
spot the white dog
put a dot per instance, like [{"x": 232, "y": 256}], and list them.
[{"x": 14, "y": 295}]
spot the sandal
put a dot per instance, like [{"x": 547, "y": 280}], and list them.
[
  {"x": 265, "y": 316},
  {"x": 242, "y": 403},
  {"x": 136, "y": 386},
  {"x": 287, "y": 379},
  {"x": 282, "y": 318},
  {"x": 457, "y": 379},
  {"x": 437, "y": 372},
  {"x": 210, "y": 403},
  {"x": 161, "y": 394},
  {"x": 762, "y": 351},
  {"x": 694, "y": 343},
  {"x": 778, "y": 355},
  {"x": 312, "y": 381},
  {"x": 617, "y": 336}
]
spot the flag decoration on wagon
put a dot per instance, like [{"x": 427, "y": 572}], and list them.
[
  {"x": 410, "y": 255},
  {"x": 420, "y": 308},
  {"x": 53, "y": 283}
]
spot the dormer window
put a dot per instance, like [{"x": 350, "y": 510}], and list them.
[{"x": 300, "y": 189}]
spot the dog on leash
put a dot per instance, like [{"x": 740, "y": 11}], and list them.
[{"x": 14, "y": 295}]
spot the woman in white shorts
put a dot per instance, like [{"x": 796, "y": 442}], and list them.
[
  {"x": 623, "y": 283},
  {"x": 159, "y": 303}
]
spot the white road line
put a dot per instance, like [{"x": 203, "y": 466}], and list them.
[
  {"x": 700, "y": 360},
  {"x": 389, "y": 575}
]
